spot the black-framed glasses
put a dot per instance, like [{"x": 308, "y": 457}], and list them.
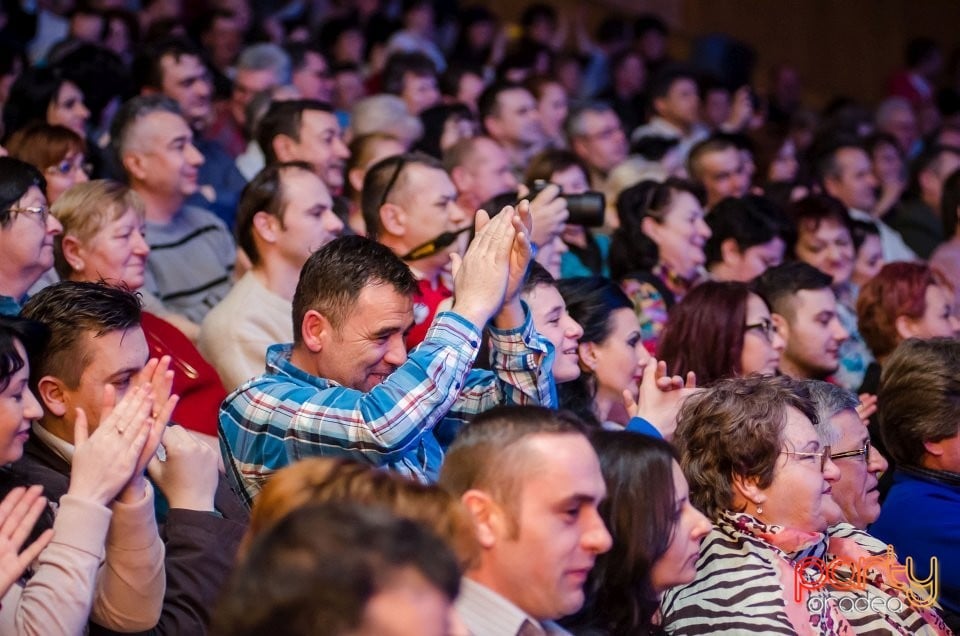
[
  {"x": 764, "y": 326},
  {"x": 41, "y": 212},
  {"x": 860, "y": 452},
  {"x": 401, "y": 163},
  {"x": 824, "y": 455}
]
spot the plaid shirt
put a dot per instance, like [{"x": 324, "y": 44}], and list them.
[{"x": 404, "y": 423}]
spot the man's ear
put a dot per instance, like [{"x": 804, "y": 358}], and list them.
[
  {"x": 283, "y": 148},
  {"x": 831, "y": 185},
  {"x": 51, "y": 394},
  {"x": 935, "y": 449},
  {"x": 266, "y": 226},
  {"x": 315, "y": 331},
  {"x": 355, "y": 177},
  {"x": 492, "y": 126},
  {"x": 729, "y": 251},
  {"x": 134, "y": 165},
  {"x": 659, "y": 103},
  {"x": 488, "y": 517},
  {"x": 393, "y": 219},
  {"x": 905, "y": 327},
  {"x": 461, "y": 178}
]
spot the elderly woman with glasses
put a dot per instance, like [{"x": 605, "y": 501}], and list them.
[
  {"x": 756, "y": 467},
  {"x": 721, "y": 330},
  {"x": 56, "y": 151},
  {"x": 27, "y": 232}
]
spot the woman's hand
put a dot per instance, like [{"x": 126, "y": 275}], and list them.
[
  {"x": 867, "y": 407},
  {"x": 661, "y": 396},
  {"x": 19, "y": 512}
]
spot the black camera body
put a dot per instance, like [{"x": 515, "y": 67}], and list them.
[{"x": 585, "y": 209}]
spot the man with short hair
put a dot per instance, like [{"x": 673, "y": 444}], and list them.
[
  {"x": 191, "y": 251},
  {"x": 859, "y": 463},
  {"x": 311, "y": 74},
  {"x": 508, "y": 113},
  {"x": 532, "y": 484},
  {"x": 348, "y": 387},
  {"x": 408, "y": 202},
  {"x": 597, "y": 137},
  {"x": 305, "y": 130},
  {"x": 413, "y": 77},
  {"x": 918, "y": 401},
  {"x": 96, "y": 342},
  {"x": 803, "y": 308},
  {"x": 895, "y": 116},
  {"x": 174, "y": 67},
  {"x": 675, "y": 99},
  {"x": 846, "y": 174},
  {"x": 716, "y": 165},
  {"x": 259, "y": 67},
  {"x": 917, "y": 216},
  {"x": 480, "y": 170},
  {"x": 286, "y": 214}
]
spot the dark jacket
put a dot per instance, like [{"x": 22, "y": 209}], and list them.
[{"x": 200, "y": 546}]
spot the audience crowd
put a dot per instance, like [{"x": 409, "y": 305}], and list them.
[{"x": 395, "y": 317}]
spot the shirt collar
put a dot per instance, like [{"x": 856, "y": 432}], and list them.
[{"x": 62, "y": 448}]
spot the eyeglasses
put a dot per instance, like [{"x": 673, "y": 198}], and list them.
[
  {"x": 66, "y": 167},
  {"x": 824, "y": 455},
  {"x": 860, "y": 452},
  {"x": 764, "y": 326},
  {"x": 401, "y": 163},
  {"x": 41, "y": 211}
]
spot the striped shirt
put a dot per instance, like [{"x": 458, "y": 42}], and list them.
[
  {"x": 190, "y": 262},
  {"x": 404, "y": 423}
]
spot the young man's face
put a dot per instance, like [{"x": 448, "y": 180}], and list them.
[
  {"x": 603, "y": 144},
  {"x": 113, "y": 358},
  {"x": 419, "y": 92},
  {"x": 517, "y": 120},
  {"x": 314, "y": 80},
  {"x": 854, "y": 183},
  {"x": 321, "y": 145},
  {"x": 723, "y": 175},
  {"x": 543, "y": 557},
  {"x": 187, "y": 81},
  {"x": 813, "y": 335},
  {"x": 681, "y": 105},
  {"x": 309, "y": 221},
  {"x": 553, "y": 322},
  {"x": 486, "y": 173}
]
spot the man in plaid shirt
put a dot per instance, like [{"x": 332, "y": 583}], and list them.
[{"x": 347, "y": 386}]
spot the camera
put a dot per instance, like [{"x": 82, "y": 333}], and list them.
[{"x": 585, "y": 209}]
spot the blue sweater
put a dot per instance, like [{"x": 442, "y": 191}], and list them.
[{"x": 921, "y": 519}]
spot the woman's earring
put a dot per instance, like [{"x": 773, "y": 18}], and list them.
[{"x": 759, "y": 509}]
